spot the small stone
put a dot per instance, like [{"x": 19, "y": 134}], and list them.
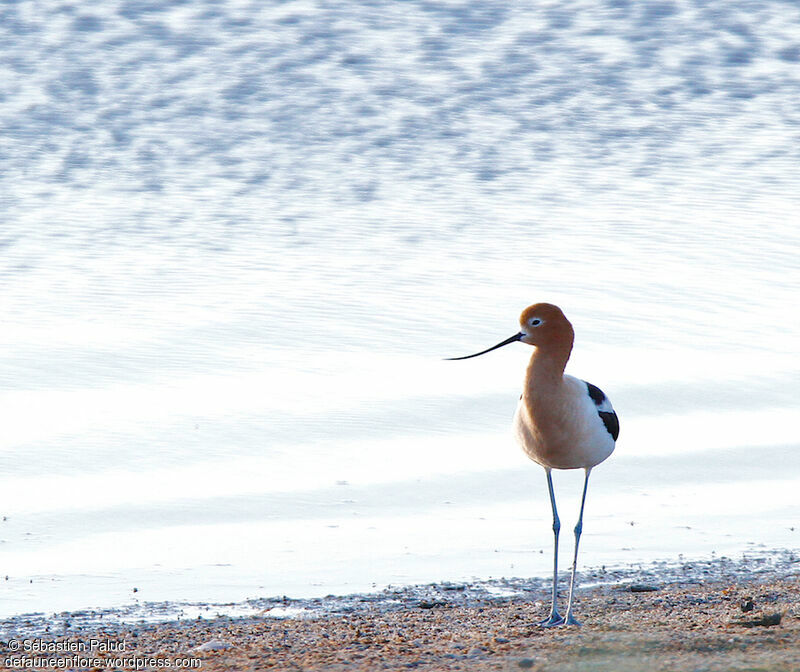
[
  {"x": 214, "y": 645},
  {"x": 642, "y": 588},
  {"x": 747, "y": 605},
  {"x": 765, "y": 621},
  {"x": 525, "y": 663}
]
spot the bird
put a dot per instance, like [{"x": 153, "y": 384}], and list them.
[{"x": 561, "y": 422}]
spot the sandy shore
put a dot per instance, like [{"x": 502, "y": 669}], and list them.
[{"x": 716, "y": 615}]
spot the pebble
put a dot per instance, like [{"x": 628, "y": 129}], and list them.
[
  {"x": 214, "y": 645},
  {"x": 765, "y": 621}
]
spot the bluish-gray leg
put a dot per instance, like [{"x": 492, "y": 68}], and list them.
[
  {"x": 570, "y": 619},
  {"x": 554, "y": 618}
]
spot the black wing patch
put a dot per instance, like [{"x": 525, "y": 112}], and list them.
[
  {"x": 604, "y": 409},
  {"x": 597, "y": 395},
  {"x": 611, "y": 421}
]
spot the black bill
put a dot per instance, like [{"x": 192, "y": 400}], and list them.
[{"x": 515, "y": 337}]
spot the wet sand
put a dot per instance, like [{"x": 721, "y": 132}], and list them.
[{"x": 714, "y": 615}]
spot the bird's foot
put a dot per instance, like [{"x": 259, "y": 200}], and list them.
[
  {"x": 553, "y": 620},
  {"x": 571, "y": 620}
]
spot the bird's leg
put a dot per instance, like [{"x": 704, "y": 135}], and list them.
[
  {"x": 554, "y": 618},
  {"x": 570, "y": 619}
]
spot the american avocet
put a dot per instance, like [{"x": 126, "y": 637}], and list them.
[{"x": 561, "y": 422}]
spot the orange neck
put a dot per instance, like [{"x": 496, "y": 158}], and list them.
[{"x": 546, "y": 368}]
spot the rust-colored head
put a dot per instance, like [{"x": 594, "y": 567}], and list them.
[{"x": 542, "y": 325}]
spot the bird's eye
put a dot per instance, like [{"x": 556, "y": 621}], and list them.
[{"x": 535, "y": 322}]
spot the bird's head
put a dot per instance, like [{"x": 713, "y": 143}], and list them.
[{"x": 544, "y": 324}]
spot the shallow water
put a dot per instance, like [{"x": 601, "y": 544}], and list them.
[{"x": 237, "y": 242}]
